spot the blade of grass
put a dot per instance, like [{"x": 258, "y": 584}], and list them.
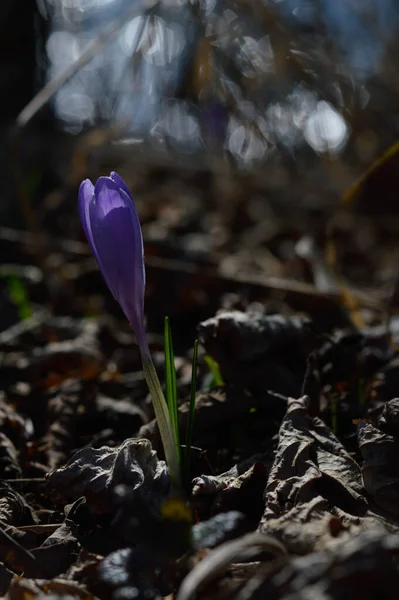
[
  {"x": 171, "y": 385},
  {"x": 191, "y": 411},
  {"x": 215, "y": 370}
]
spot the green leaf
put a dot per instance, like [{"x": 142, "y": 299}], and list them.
[
  {"x": 163, "y": 420},
  {"x": 171, "y": 386},
  {"x": 19, "y": 296},
  {"x": 191, "y": 411},
  {"x": 214, "y": 368}
]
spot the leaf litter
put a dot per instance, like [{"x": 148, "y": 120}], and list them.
[
  {"x": 294, "y": 481},
  {"x": 305, "y": 515}
]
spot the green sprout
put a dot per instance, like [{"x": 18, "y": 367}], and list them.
[
  {"x": 214, "y": 369},
  {"x": 19, "y": 296},
  {"x": 171, "y": 386},
  {"x": 172, "y": 403},
  {"x": 334, "y": 415}
]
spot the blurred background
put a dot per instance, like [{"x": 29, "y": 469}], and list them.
[{"x": 247, "y": 131}]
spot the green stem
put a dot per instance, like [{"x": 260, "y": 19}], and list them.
[{"x": 163, "y": 420}]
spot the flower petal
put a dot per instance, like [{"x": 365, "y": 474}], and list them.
[
  {"x": 108, "y": 195},
  {"x": 112, "y": 227},
  {"x": 85, "y": 196},
  {"x": 86, "y": 199},
  {"x": 119, "y": 182},
  {"x": 121, "y": 259}
]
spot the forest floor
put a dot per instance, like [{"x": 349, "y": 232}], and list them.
[{"x": 294, "y": 482}]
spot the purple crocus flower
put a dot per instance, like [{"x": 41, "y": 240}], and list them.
[{"x": 112, "y": 227}]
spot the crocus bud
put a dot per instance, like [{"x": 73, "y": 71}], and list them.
[{"x": 112, "y": 227}]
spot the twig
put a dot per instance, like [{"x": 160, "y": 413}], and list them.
[
  {"x": 21, "y": 554},
  {"x": 46, "y": 528},
  {"x": 105, "y": 36}
]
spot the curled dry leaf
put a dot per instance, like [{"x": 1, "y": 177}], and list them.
[
  {"x": 9, "y": 463},
  {"x": 389, "y": 418},
  {"x": 95, "y": 473},
  {"x": 379, "y": 446},
  {"x": 249, "y": 336},
  {"x": 310, "y": 461},
  {"x": 74, "y": 410},
  {"x": 312, "y": 478},
  {"x": 239, "y": 489},
  {"x": 56, "y": 554},
  {"x": 211, "y": 484},
  {"x": 14, "y": 509},
  {"x": 259, "y": 351}
]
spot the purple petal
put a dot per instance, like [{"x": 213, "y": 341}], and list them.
[
  {"x": 121, "y": 260},
  {"x": 119, "y": 182},
  {"x": 85, "y": 199},
  {"x": 108, "y": 195},
  {"x": 113, "y": 230},
  {"x": 86, "y": 194}
]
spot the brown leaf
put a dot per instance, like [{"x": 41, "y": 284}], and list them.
[
  {"x": 94, "y": 473},
  {"x": 313, "y": 478},
  {"x": 380, "y": 451},
  {"x": 14, "y": 509},
  {"x": 259, "y": 351},
  {"x": 246, "y": 337},
  {"x": 241, "y": 488},
  {"x": 9, "y": 463},
  {"x": 56, "y": 554},
  {"x": 310, "y": 461}
]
